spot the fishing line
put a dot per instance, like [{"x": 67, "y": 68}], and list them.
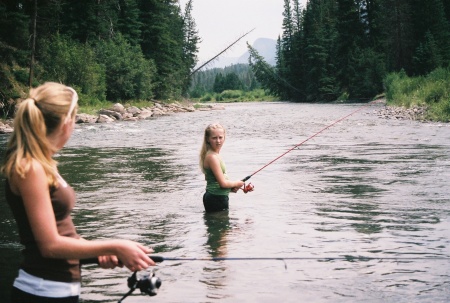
[
  {"x": 160, "y": 259},
  {"x": 307, "y": 139},
  {"x": 149, "y": 283}
]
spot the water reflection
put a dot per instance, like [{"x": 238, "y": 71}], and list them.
[
  {"x": 217, "y": 228},
  {"x": 120, "y": 167},
  {"x": 215, "y": 273}
]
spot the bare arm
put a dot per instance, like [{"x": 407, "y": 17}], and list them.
[
  {"x": 35, "y": 194},
  {"x": 212, "y": 162}
]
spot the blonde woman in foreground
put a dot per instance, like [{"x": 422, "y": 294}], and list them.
[{"x": 41, "y": 202}]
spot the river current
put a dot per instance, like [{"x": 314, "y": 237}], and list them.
[{"x": 360, "y": 212}]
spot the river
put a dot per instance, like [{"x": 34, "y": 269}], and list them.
[{"x": 361, "y": 211}]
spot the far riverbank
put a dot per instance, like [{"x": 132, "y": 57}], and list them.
[{"x": 119, "y": 112}]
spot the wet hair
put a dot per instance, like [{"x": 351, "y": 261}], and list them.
[
  {"x": 38, "y": 116},
  {"x": 205, "y": 146}
]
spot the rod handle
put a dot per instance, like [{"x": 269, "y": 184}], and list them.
[
  {"x": 157, "y": 259},
  {"x": 246, "y": 178}
]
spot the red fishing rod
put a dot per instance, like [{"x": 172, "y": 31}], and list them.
[{"x": 249, "y": 187}]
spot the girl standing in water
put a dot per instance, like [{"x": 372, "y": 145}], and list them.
[
  {"x": 41, "y": 202},
  {"x": 217, "y": 184}
]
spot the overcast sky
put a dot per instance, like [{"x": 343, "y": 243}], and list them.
[{"x": 220, "y": 22}]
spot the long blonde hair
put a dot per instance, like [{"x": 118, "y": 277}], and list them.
[
  {"x": 38, "y": 116},
  {"x": 205, "y": 146}
]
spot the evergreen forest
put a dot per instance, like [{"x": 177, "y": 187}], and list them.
[
  {"x": 132, "y": 50},
  {"x": 107, "y": 49},
  {"x": 344, "y": 49}
]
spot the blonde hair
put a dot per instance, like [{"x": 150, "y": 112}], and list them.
[
  {"x": 38, "y": 116},
  {"x": 205, "y": 146}
]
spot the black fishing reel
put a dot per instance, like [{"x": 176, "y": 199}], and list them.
[{"x": 147, "y": 284}]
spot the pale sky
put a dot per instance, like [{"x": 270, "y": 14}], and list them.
[{"x": 221, "y": 22}]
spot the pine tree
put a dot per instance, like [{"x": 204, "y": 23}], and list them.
[
  {"x": 162, "y": 41},
  {"x": 396, "y": 20},
  {"x": 190, "y": 45},
  {"x": 129, "y": 23}
]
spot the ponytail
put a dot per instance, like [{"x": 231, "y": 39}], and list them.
[{"x": 36, "y": 118}]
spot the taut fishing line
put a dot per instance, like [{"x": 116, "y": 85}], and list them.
[{"x": 249, "y": 187}]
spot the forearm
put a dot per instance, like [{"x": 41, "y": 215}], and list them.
[
  {"x": 71, "y": 248},
  {"x": 229, "y": 183}
]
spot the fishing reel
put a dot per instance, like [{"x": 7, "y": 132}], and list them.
[
  {"x": 247, "y": 188},
  {"x": 147, "y": 284}
]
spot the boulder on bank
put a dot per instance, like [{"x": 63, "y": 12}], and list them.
[
  {"x": 417, "y": 113},
  {"x": 119, "y": 112},
  {"x": 5, "y": 128}
]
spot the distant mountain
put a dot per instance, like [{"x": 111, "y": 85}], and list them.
[{"x": 266, "y": 47}]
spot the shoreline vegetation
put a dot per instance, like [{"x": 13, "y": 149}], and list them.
[{"x": 423, "y": 98}]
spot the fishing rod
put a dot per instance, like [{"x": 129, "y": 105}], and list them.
[
  {"x": 160, "y": 259},
  {"x": 223, "y": 51},
  {"x": 249, "y": 187}
]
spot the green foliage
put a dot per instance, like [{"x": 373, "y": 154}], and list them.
[
  {"x": 230, "y": 81},
  {"x": 157, "y": 43},
  {"x": 334, "y": 49},
  {"x": 206, "y": 98},
  {"x": 401, "y": 89},
  {"x": 230, "y": 95},
  {"x": 440, "y": 111},
  {"x": 22, "y": 75},
  {"x": 432, "y": 91},
  {"x": 238, "y": 96},
  {"x": 66, "y": 61},
  {"x": 163, "y": 42},
  {"x": 366, "y": 72},
  {"x": 128, "y": 74},
  {"x": 14, "y": 33},
  {"x": 205, "y": 81},
  {"x": 427, "y": 56}
]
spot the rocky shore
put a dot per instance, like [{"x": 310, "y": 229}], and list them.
[
  {"x": 118, "y": 112},
  {"x": 417, "y": 113}
]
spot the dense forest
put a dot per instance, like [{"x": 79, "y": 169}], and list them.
[
  {"x": 120, "y": 50},
  {"x": 344, "y": 49},
  {"x": 216, "y": 80},
  {"x": 106, "y": 49}
]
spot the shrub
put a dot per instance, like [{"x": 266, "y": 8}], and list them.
[
  {"x": 73, "y": 64},
  {"x": 230, "y": 94},
  {"x": 128, "y": 74}
]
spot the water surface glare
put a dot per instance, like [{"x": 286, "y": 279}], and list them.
[{"x": 366, "y": 187}]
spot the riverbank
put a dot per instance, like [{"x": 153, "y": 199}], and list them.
[
  {"x": 417, "y": 113},
  {"x": 119, "y": 112}
]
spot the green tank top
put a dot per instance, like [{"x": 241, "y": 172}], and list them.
[{"x": 212, "y": 186}]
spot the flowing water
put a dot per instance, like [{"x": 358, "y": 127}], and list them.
[{"x": 364, "y": 206}]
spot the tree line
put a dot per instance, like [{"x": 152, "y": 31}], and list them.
[
  {"x": 216, "y": 80},
  {"x": 343, "y": 49},
  {"x": 107, "y": 49}
]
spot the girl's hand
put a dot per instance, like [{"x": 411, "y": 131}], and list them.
[
  {"x": 109, "y": 262},
  {"x": 134, "y": 256},
  {"x": 235, "y": 189}
]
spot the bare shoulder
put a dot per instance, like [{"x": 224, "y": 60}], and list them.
[
  {"x": 210, "y": 159},
  {"x": 35, "y": 173}
]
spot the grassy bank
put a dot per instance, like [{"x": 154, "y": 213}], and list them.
[
  {"x": 236, "y": 96},
  {"x": 431, "y": 91},
  {"x": 92, "y": 106}
]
